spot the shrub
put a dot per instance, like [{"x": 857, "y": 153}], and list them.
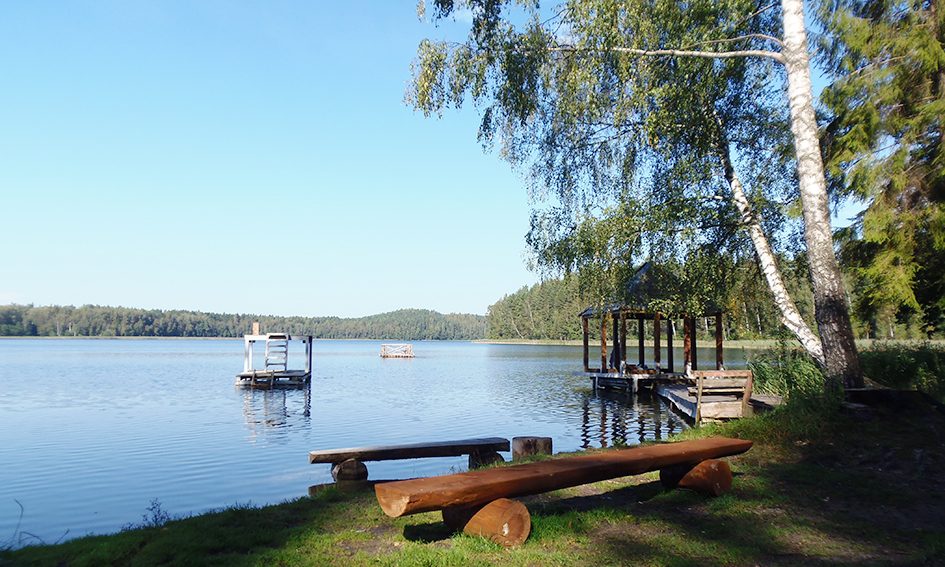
[{"x": 907, "y": 367}]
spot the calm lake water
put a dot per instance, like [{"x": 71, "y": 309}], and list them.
[{"x": 97, "y": 429}]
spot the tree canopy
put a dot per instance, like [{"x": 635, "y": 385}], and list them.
[
  {"x": 656, "y": 130},
  {"x": 886, "y": 150}
]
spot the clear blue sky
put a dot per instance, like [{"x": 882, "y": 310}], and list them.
[{"x": 243, "y": 157}]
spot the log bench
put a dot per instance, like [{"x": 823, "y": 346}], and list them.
[
  {"x": 480, "y": 499},
  {"x": 348, "y": 464}
]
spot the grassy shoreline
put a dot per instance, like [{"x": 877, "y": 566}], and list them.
[{"x": 817, "y": 488}]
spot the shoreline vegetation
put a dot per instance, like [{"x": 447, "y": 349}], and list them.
[
  {"x": 757, "y": 344},
  {"x": 820, "y": 486}
]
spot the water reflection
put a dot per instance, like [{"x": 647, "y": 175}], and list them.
[
  {"x": 269, "y": 413},
  {"x": 617, "y": 418}
]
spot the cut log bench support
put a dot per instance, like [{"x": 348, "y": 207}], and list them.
[
  {"x": 348, "y": 464},
  {"x": 529, "y": 446},
  {"x": 692, "y": 465},
  {"x": 503, "y": 521}
]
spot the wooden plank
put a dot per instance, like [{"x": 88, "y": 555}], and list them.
[
  {"x": 722, "y": 410},
  {"x": 724, "y": 383},
  {"x": 708, "y": 390},
  {"x": 411, "y": 450},
  {"x": 719, "y": 373},
  {"x": 400, "y": 498}
]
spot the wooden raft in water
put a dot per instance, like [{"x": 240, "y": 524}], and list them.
[{"x": 404, "y": 497}]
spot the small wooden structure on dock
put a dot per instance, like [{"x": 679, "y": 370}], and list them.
[
  {"x": 702, "y": 395},
  {"x": 276, "y": 371},
  {"x": 396, "y": 351}
]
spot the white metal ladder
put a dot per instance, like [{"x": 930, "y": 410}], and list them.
[{"x": 277, "y": 351}]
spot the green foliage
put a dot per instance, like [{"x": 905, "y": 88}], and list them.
[
  {"x": 885, "y": 149},
  {"x": 98, "y": 321},
  {"x": 907, "y": 367}
]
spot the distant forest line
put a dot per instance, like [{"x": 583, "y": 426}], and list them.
[
  {"x": 99, "y": 321},
  {"x": 549, "y": 310}
]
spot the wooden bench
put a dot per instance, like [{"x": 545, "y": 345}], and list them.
[
  {"x": 464, "y": 497},
  {"x": 737, "y": 384},
  {"x": 348, "y": 464}
]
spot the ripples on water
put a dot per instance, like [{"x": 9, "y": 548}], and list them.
[{"x": 96, "y": 429}]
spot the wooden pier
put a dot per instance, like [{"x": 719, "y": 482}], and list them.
[
  {"x": 276, "y": 372},
  {"x": 701, "y": 395},
  {"x": 396, "y": 351}
]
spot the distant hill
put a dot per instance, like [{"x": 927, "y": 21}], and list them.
[{"x": 98, "y": 321}]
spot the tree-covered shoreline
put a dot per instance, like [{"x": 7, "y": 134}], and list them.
[{"x": 102, "y": 321}]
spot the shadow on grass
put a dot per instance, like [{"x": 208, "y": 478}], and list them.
[
  {"x": 427, "y": 533},
  {"x": 852, "y": 501}
]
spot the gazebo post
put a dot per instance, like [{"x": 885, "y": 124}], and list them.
[
  {"x": 693, "y": 345},
  {"x": 603, "y": 342},
  {"x": 587, "y": 362},
  {"x": 623, "y": 336},
  {"x": 687, "y": 346},
  {"x": 616, "y": 350},
  {"x": 669, "y": 344},
  {"x": 718, "y": 342},
  {"x": 656, "y": 340},
  {"x": 640, "y": 339}
]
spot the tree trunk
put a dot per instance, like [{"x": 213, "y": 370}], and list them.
[
  {"x": 830, "y": 303},
  {"x": 790, "y": 317}
]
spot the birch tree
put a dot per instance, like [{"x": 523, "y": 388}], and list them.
[{"x": 651, "y": 116}]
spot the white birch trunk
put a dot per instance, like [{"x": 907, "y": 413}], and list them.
[
  {"x": 830, "y": 304},
  {"x": 790, "y": 316}
]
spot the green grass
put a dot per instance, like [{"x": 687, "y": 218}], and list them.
[{"x": 816, "y": 489}]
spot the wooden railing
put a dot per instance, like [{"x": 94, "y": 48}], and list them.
[{"x": 397, "y": 351}]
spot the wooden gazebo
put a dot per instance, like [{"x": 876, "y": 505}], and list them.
[
  {"x": 709, "y": 394},
  {"x": 619, "y": 316}
]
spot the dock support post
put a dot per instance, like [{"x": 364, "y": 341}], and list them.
[
  {"x": 308, "y": 354},
  {"x": 248, "y": 355}
]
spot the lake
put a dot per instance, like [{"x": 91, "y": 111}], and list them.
[{"x": 97, "y": 429}]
